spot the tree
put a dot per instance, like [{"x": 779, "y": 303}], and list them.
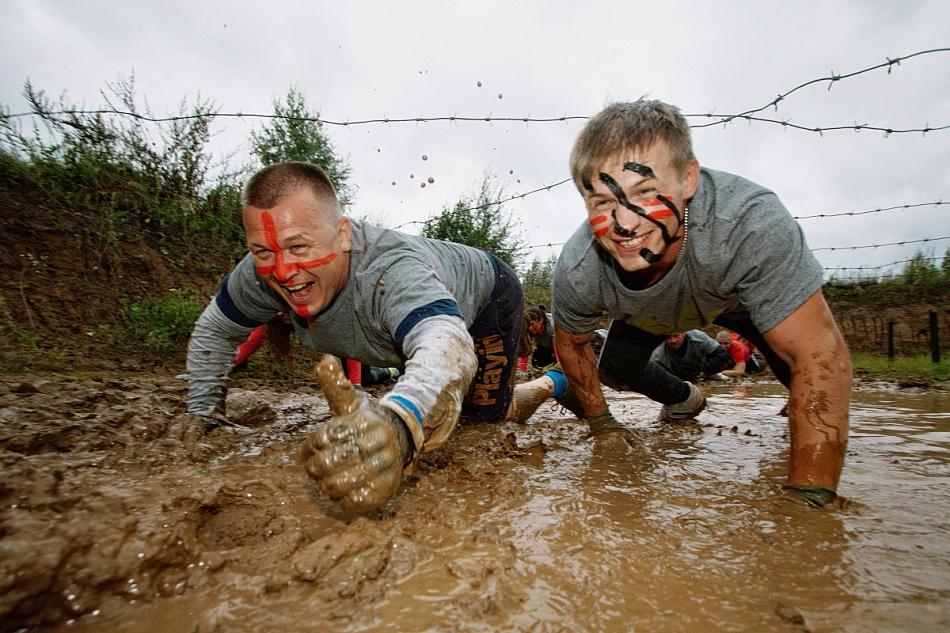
[
  {"x": 296, "y": 133},
  {"x": 537, "y": 280},
  {"x": 481, "y": 221}
]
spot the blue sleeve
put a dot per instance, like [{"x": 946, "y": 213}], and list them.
[
  {"x": 442, "y": 306},
  {"x": 227, "y": 307}
]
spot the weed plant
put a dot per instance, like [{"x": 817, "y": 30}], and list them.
[
  {"x": 120, "y": 182},
  {"x": 159, "y": 326}
]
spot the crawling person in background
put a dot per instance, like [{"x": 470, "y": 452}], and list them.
[
  {"x": 361, "y": 375},
  {"x": 667, "y": 247},
  {"x": 541, "y": 329},
  {"x": 690, "y": 355},
  {"x": 448, "y": 314},
  {"x": 738, "y": 351}
]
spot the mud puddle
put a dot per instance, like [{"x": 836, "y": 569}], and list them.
[{"x": 117, "y": 515}]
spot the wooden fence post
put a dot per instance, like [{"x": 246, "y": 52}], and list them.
[
  {"x": 934, "y": 338},
  {"x": 890, "y": 340}
]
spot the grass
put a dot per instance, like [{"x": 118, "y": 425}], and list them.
[{"x": 906, "y": 369}]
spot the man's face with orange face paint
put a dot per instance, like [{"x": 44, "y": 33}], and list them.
[
  {"x": 299, "y": 251},
  {"x": 635, "y": 205}
]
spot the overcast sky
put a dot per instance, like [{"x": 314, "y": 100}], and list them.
[{"x": 368, "y": 60}]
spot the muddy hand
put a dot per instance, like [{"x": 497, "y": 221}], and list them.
[
  {"x": 357, "y": 456},
  {"x": 605, "y": 429}
]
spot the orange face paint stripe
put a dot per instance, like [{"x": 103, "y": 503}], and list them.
[
  {"x": 270, "y": 234},
  {"x": 600, "y": 219}
]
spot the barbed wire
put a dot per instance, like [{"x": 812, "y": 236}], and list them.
[
  {"x": 877, "y": 210},
  {"x": 889, "y": 64},
  {"x": 488, "y": 205},
  {"x": 721, "y": 119},
  {"x": 902, "y": 261},
  {"x": 902, "y": 243}
]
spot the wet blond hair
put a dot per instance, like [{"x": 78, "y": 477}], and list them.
[
  {"x": 269, "y": 186},
  {"x": 625, "y": 126}
]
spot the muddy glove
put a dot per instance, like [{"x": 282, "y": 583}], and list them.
[
  {"x": 605, "y": 422},
  {"x": 813, "y": 496},
  {"x": 357, "y": 456}
]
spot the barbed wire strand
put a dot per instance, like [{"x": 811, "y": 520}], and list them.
[
  {"x": 488, "y": 205},
  {"x": 901, "y": 261},
  {"x": 889, "y": 64},
  {"x": 877, "y": 210},
  {"x": 722, "y": 119},
  {"x": 902, "y": 243}
]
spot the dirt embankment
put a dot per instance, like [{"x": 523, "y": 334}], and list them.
[{"x": 58, "y": 288}]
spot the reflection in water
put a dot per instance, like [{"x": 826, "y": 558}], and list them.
[{"x": 694, "y": 534}]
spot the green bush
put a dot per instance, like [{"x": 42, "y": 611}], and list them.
[{"x": 158, "y": 325}]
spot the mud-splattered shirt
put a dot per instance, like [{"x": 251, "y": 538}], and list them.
[
  {"x": 744, "y": 252},
  {"x": 396, "y": 282}
]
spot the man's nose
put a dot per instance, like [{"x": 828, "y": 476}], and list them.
[
  {"x": 626, "y": 221},
  {"x": 284, "y": 271}
]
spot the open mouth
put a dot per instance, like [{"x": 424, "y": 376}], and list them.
[
  {"x": 292, "y": 290},
  {"x": 634, "y": 242}
]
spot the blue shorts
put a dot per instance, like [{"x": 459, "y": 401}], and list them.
[{"x": 496, "y": 331}]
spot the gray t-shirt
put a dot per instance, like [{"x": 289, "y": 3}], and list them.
[
  {"x": 744, "y": 253},
  {"x": 396, "y": 282},
  {"x": 698, "y": 348},
  {"x": 391, "y": 276}
]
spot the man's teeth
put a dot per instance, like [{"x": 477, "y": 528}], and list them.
[
  {"x": 295, "y": 288},
  {"x": 634, "y": 242}
]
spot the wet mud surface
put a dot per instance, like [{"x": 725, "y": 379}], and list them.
[{"x": 119, "y": 513}]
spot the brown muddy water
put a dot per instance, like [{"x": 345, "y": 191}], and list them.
[{"x": 116, "y": 515}]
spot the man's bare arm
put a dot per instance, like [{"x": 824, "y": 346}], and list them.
[
  {"x": 580, "y": 367},
  {"x": 819, "y": 395},
  {"x": 735, "y": 372}
]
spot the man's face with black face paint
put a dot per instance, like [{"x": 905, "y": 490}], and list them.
[{"x": 635, "y": 206}]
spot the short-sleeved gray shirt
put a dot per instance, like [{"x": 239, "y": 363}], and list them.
[
  {"x": 744, "y": 253},
  {"x": 391, "y": 276}
]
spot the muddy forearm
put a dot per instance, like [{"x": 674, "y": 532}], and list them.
[
  {"x": 818, "y": 420},
  {"x": 580, "y": 367},
  {"x": 211, "y": 353},
  {"x": 441, "y": 366}
]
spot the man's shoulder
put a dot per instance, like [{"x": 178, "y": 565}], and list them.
[
  {"x": 728, "y": 197},
  {"x": 699, "y": 335}
]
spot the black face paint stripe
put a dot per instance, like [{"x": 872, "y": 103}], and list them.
[
  {"x": 643, "y": 170},
  {"x": 669, "y": 205},
  {"x": 650, "y": 256},
  {"x": 586, "y": 184},
  {"x": 615, "y": 189}
]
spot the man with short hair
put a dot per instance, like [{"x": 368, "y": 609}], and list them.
[
  {"x": 449, "y": 314},
  {"x": 689, "y": 355},
  {"x": 738, "y": 351},
  {"x": 669, "y": 246}
]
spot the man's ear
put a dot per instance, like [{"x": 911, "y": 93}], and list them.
[
  {"x": 344, "y": 230},
  {"x": 691, "y": 182}
]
